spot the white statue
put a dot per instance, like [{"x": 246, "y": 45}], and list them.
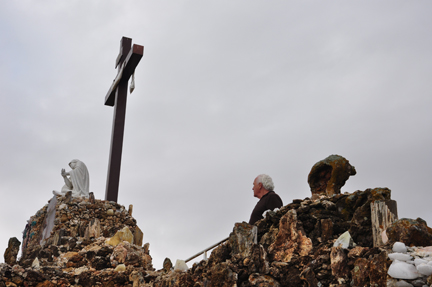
[{"x": 78, "y": 180}]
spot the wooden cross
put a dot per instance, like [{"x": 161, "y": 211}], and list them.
[{"x": 126, "y": 63}]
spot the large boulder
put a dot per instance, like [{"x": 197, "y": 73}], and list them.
[
  {"x": 411, "y": 232},
  {"x": 11, "y": 253},
  {"x": 329, "y": 175}
]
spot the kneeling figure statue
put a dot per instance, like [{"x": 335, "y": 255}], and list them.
[{"x": 76, "y": 180}]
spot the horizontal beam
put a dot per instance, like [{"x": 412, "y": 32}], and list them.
[{"x": 127, "y": 69}]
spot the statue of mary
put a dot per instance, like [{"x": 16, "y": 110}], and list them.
[{"x": 76, "y": 180}]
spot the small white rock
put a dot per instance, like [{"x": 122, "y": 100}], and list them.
[
  {"x": 180, "y": 265},
  {"x": 402, "y": 270},
  {"x": 120, "y": 268},
  {"x": 35, "y": 264},
  {"x": 399, "y": 247},
  {"x": 425, "y": 269},
  {"x": 345, "y": 240},
  {"x": 419, "y": 261},
  {"x": 399, "y": 256}
]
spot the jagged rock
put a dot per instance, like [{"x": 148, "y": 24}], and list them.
[
  {"x": 11, "y": 252},
  {"x": 257, "y": 279},
  {"x": 136, "y": 278},
  {"x": 94, "y": 228},
  {"x": 360, "y": 272},
  {"x": 290, "y": 239},
  {"x": 326, "y": 229},
  {"x": 290, "y": 247},
  {"x": 138, "y": 236},
  {"x": 378, "y": 269},
  {"x": 411, "y": 232},
  {"x": 338, "y": 260},
  {"x": 257, "y": 261},
  {"x": 122, "y": 235},
  {"x": 329, "y": 175},
  {"x": 309, "y": 276},
  {"x": 167, "y": 265},
  {"x": 242, "y": 239},
  {"x": 222, "y": 275},
  {"x": 360, "y": 223}
]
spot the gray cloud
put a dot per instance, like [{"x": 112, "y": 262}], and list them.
[{"x": 225, "y": 91}]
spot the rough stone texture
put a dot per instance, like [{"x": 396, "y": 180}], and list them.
[
  {"x": 338, "y": 260},
  {"x": 290, "y": 240},
  {"x": 411, "y": 232},
  {"x": 242, "y": 239},
  {"x": 11, "y": 253},
  {"x": 329, "y": 175},
  {"x": 122, "y": 235},
  {"x": 167, "y": 265},
  {"x": 290, "y": 247}
]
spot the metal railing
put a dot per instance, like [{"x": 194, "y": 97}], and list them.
[{"x": 205, "y": 250}]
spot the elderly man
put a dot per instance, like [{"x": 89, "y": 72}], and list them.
[{"x": 263, "y": 189}]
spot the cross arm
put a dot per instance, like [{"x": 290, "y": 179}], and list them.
[{"x": 126, "y": 70}]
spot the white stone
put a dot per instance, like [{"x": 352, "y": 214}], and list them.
[
  {"x": 35, "y": 264},
  {"x": 120, "y": 268},
  {"x": 419, "y": 261},
  {"x": 180, "y": 265},
  {"x": 402, "y": 283},
  {"x": 425, "y": 269},
  {"x": 399, "y": 256},
  {"x": 399, "y": 247},
  {"x": 402, "y": 270},
  {"x": 344, "y": 240}
]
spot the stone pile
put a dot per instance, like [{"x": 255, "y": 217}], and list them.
[
  {"x": 322, "y": 242},
  {"x": 412, "y": 265},
  {"x": 325, "y": 240},
  {"x": 295, "y": 246},
  {"x": 91, "y": 243}
]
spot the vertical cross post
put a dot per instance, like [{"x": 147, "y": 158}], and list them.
[{"x": 126, "y": 63}]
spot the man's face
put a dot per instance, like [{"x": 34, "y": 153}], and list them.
[{"x": 256, "y": 188}]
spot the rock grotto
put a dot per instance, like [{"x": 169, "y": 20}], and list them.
[{"x": 325, "y": 240}]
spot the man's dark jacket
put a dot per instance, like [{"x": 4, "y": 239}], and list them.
[{"x": 269, "y": 201}]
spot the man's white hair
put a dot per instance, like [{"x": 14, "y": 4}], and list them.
[{"x": 266, "y": 180}]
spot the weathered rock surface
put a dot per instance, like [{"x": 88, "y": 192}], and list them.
[
  {"x": 411, "y": 232},
  {"x": 11, "y": 253},
  {"x": 329, "y": 175},
  {"x": 92, "y": 243}
]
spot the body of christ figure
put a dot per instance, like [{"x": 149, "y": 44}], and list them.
[{"x": 76, "y": 180}]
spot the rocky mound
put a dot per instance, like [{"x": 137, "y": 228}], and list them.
[
  {"x": 79, "y": 242},
  {"x": 324, "y": 241},
  {"x": 295, "y": 247}
]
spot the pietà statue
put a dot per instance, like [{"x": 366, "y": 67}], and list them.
[{"x": 76, "y": 180}]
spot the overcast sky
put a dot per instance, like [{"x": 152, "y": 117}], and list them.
[{"x": 226, "y": 90}]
